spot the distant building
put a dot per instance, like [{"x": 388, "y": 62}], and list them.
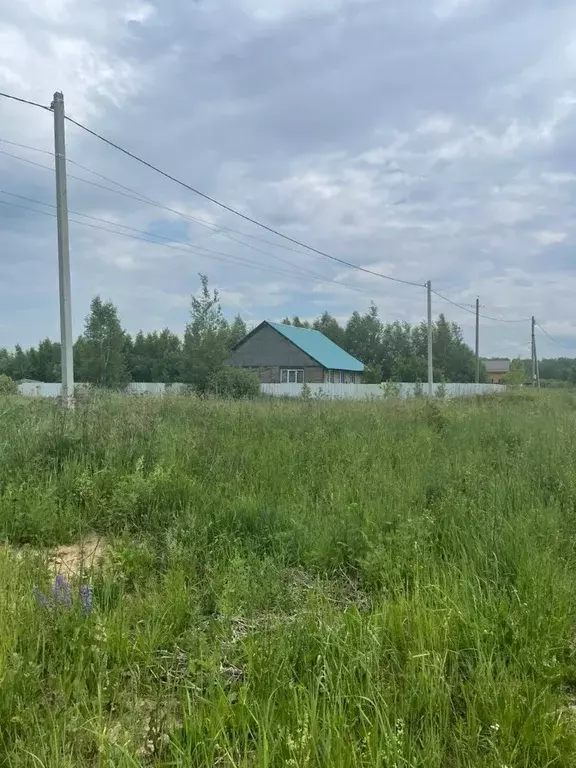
[
  {"x": 286, "y": 354},
  {"x": 496, "y": 370}
]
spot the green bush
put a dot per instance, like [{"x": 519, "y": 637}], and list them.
[
  {"x": 8, "y": 386},
  {"x": 391, "y": 389},
  {"x": 235, "y": 383}
]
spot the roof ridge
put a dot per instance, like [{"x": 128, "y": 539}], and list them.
[{"x": 323, "y": 349}]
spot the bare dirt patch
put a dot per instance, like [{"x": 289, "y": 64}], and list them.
[{"x": 75, "y": 559}]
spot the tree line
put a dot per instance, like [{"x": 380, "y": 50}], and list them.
[
  {"x": 107, "y": 356},
  {"x": 554, "y": 372}
]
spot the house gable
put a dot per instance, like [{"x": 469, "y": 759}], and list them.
[{"x": 265, "y": 347}]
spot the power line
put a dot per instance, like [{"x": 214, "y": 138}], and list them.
[
  {"x": 473, "y": 311},
  {"x": 224, "y": 207},
  {"x": 27, "y": 146},
  {"x": 161, "y": 237},
  {"x": 186, "y": 249},
  {"x": 555, "y": 341},
  {"x": 180, "y": 246},
  {"x": 138, "y": 196},
  {"x": 238, "y": 213},
  {"x": 180, "y": 242},
  {"x": 25, "y": 101},
  {"x": 143, "y": 199}
]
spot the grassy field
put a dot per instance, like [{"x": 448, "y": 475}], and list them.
[{"x": 290, "y": 584}]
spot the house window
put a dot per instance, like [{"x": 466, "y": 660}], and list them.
[
  {"x": 338, "y": 377},
  {"x": 292, "y": 375}
]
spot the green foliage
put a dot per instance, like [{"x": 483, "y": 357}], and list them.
[
  {"x": 236, "y": 383},
  {"x": 237, "y": 331},
  {"x": 391, "y": 389},
  {"x": 306, "y": 393},
  {"x": 107, "y": 356},
  {"x": 7, "y": 385},
  {"x": 348, "y": 584},
  {"x": 516, "y": 377},
  {"x": 561, "y": 369},
  {"x": 418, "y": 389},
  {"x": 206, "y": 340},
  {"x": 441, "y": 391},
  {"x": 102, "y": 347}
]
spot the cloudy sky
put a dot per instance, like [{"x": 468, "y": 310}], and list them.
[{"x": 424, "y": 139}]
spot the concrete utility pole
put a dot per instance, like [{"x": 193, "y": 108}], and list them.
[
  {"x": 66, "y": 349},
  {"x": 534, "y": 374},
  {"x": 430, "y": 360},
  {"x": 477, "y": 340},
  {"x": 535, "y": 351}
]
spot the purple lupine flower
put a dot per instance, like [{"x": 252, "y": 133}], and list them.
[
  {"x": 87, "y": 599},
  {"x": 41, "y": 598},
  {"x": 61, "y": 592}
]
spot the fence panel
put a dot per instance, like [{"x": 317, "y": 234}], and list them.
[
  {"x": 329, "y": 391},
  {"x": 368, "y": 391}
]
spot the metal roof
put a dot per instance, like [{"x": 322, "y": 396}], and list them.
[
  {"x": 497, "y": 366},
  {"x": 319, "y": 347}
]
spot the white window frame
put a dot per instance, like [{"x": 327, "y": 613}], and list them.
[{"x": 296, "y": 373}]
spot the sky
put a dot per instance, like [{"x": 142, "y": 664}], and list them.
[{"x": 422, "y": 139}]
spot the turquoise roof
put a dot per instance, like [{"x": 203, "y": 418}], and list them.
[{"x": 319, "y": 347}]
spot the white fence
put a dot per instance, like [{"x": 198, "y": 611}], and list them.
[
  {"x": 41, "y": 389},
  {"x": 331, "y": 391},
  {"x": 367, "y": 391}
]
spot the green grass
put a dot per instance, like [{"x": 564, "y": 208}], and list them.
[{"x": 292, "y": 584}]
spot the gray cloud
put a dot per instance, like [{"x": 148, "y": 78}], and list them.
[{"x": 423, "y": 139}]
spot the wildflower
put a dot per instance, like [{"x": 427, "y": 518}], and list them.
[
  {"x": 41, "y": 598},
  {"x": 87, "y": 599},
  {"x": 61, "y": 592}
]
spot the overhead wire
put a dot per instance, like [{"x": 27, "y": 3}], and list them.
[
  {"x": 222, "y": 205},
  {"x": 25, "y": 101},
  {"x": 177, "y": 245},
  {"x": 234, "y": 211},
  {"x": 136, "y": 195},
  {"x": 552, "y": 339},
  {"x": 153, "y": 234},
  {"x": 473, "y": 311},
  {"x": 143, "y": 199}
]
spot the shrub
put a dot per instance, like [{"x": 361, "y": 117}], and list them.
[
  {"x": 236, "y": 383},
  {"x": 8, "y": 386},
  {"x": 391, "y": 389},
  {"x": 306, "y": 393},
  {"x": 441, "y": 391}
]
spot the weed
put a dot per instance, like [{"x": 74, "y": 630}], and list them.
[{"x": 304, "y": 583}]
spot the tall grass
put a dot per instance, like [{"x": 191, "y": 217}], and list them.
[{"x": 291, "y": 584}]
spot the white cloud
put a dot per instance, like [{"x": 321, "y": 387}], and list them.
[
  {"x": 422, "y": 148},
  {"x": 548, "y": 237},
  {"x": 445, "y": 9}
]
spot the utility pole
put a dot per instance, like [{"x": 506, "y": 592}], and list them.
[
  {"x": 534, "y": 374},
  {"x": 536, "y": 363},
  {"x": 66, "y": 348},
  {"x": 478, "y": 340},
  {"x": 430, "y": 361}
]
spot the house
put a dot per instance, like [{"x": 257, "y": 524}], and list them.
[
  {"x": 286, "y": 354},
  {"x": 496, "y": 370}
]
